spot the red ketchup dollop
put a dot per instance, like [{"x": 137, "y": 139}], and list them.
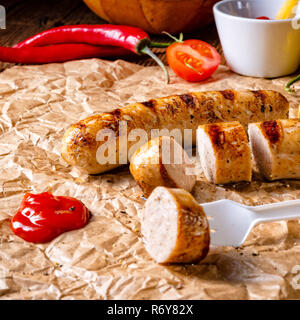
[
  {"x": 263, "y": 18},
  {"x": 42, "y": 217}
]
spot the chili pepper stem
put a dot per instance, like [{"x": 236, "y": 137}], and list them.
[
  {"x": 160, "y": 45},
  {"x": 147, "y": 51},
  {"x": 290, "y": 83}
]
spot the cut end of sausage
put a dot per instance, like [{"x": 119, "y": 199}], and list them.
[
  {"x": 162, "y": 162},
  {"x": 207, "y": 155},
  {"x": 174, "y": 227},
  {"x": 177, "y": 164},
  {"x": 160, "y": 225},
  {"x": 261, "y": 150}
]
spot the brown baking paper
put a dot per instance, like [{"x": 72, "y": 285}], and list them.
[{"x": 106, "y": 259}]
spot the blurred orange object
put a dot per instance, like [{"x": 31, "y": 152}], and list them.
[{"x": 155, "y": 16}]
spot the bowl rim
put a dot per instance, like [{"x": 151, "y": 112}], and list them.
[{"x": 217, "y": 10}]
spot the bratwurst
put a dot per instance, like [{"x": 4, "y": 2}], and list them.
[{"x": 83, "y": 146}]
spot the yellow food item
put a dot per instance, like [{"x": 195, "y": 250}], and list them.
[
  {"x": 299, "y": 111},
  {"x": 287, "y": 10}
]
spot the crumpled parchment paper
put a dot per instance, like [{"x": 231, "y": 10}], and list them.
[{"x": 106, "y": 259}]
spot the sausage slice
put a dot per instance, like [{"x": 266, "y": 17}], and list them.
[
  {"x": 276, "y": 148},
  {"x": 224, "y": 152},
  {"x": 162, "y": 162},
  {"x": 175, "y": 227}
]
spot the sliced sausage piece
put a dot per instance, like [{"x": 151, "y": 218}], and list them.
[
  {"x": 224, "y": 152},
  {"x": 175, "y": 227},
  {"x": 82, "y": 142},
  {"x": 162, "y": 162},
  {"x": 276, "y": 148}
]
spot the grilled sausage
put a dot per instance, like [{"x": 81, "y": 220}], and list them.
[
  {"x": 174, "y": 227},
  {"x": 162, "y": 162},
  {"x": 81, "y": 142},
  {"x": 224, "y": 152},
  {"x": 276, "y": 148}
]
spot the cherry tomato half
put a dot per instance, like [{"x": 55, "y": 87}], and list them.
[{"x": 193, "y": 60}]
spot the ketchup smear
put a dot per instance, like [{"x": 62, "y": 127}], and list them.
[
  {"x": 42, "y": 217},
  {"x": 263, "y": 18}
]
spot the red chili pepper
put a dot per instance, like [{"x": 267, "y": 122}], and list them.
[
  {"x": 58, "y": 53},
  {"x": 42, "y": 217},
  {"x": 130, "y": 38}
]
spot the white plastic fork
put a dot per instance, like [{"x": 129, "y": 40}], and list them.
[{"x": 231, "y": 222}]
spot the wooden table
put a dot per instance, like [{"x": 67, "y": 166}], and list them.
[{"x": 25, "y": 18}]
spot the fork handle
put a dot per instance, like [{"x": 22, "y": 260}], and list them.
[{"x": 286, "y": 210}]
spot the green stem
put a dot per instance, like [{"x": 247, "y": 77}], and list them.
[
  {"x": 290, "y": 83},
  {"x": 180, "y": 39},
  {"x": 147, "y": 51},
  {"x": 160, "y": 45}
]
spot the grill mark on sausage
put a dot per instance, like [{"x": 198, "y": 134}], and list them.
[
  {"x": 212, "y": 117},
  {"x": 150, "y": 104},
  {"x": 79, "y": 125},
  {"x": 208, "y": 106},
  {"x": 272, "y": 130},
  {"x": 114, "y": 126},
  {"x": 82, "y": 139},
  {"x": 217, "y": 135},
  {"x": 188, "y": 99},
  {"x": 116, "y": 113},
  {"x": 172, "y": 107},
  {"x": 114, "y": 123},
  {"x": 228, "y": 94},
  {"x": 260, "y": 94}
]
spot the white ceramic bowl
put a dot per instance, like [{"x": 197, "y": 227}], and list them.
[{"x": 257, "y": 48}]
